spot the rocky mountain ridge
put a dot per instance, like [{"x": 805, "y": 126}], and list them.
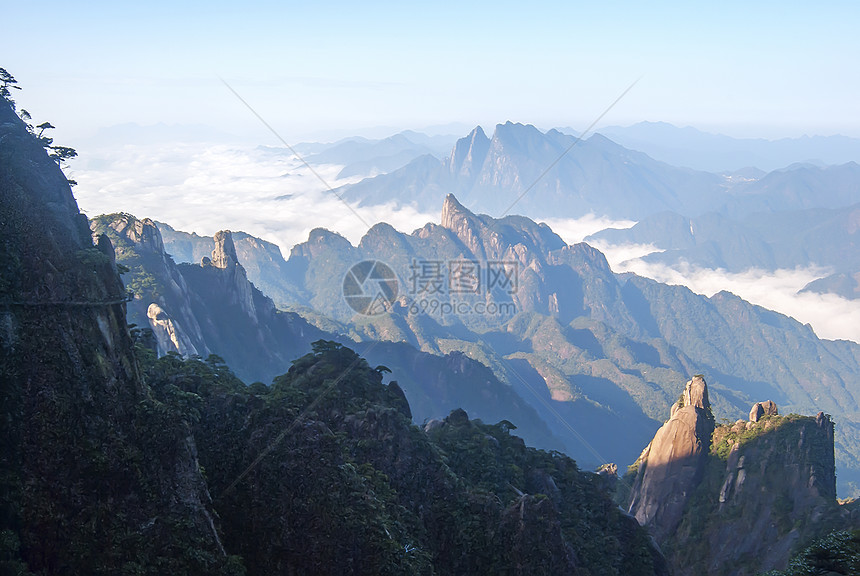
[
  {"x": 239, "y": 324},
  {"x": 582, "y": 344},
  {"x": 488, "y": 175},
  {"x": 568, "y": 177},
  {"x": 600, "y": 340}
]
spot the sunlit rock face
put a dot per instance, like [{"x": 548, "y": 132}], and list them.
[{"x": 672, "y": 465}]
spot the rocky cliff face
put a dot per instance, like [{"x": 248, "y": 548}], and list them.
[
  {"x": 205, "y": 308},
  {"x": 94, "y": 479},
  {"x": 467, "y": 157},
  {"x": 234, "y": 280},
  {"x": 737, "y": 499},
  {"x": 673, "y": 464},
  {"x": 162, "y": 300}
]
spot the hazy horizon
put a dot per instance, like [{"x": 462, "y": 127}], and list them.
[{"x": 734, "y": 68}]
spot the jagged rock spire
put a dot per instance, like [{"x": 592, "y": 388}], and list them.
[
  {"x": 224, "y": 254},
  {"x": 672, "y": 465},
  {"x": 696, "y": 393}
]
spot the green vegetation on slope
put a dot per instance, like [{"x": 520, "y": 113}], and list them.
[
  {"x": 838, "y": 553},
  {"x": 324, "y": 473}
]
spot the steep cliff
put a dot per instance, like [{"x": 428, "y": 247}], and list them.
[
  {"x": 161, "y": 300},
  {"x": 96, "y": 477},
  {"x": 737, "y": 499}
]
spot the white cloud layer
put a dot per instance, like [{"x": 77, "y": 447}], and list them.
[
  {"x": 270, "y": 194},
  {"x": 575, "y": 230},
  {"x": 831, "y": 316},
  {"x": 206, "y": 188}
]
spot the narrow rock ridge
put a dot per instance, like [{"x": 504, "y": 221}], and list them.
[{"x": 673, "y": 464}]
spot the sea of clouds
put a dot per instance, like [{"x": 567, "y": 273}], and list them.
[
  {"x": 266, "y": 192},
  {"x": 272, "y": 194}
]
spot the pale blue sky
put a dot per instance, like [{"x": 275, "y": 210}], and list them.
[{"x": 772, "y": 69}]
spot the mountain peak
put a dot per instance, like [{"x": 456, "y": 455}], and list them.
[
  {"x": 469, "y": 153},
  {"x": 143, "y": 232},
  {"x": 453, "y": 212}
]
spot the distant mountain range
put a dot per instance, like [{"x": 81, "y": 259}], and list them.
[
  {"x": 521, "y": 170},
  {"x": 368, "y": 157},
  {"x": 825, "y": 237},
  {"x": 700, "y": 150}
]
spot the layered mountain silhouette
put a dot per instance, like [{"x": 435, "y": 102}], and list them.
[
  {"x": 362, "y": 157},
  {"x": 117, "y": 462},
  {"x": 687, "y": 146},
  {"x": 521, "y": 170},
  {"x": 211, "y": 307},
  {"x": 594, "y": 176},
  {"x": 822, "y": 237},
  {"x": 597, "y": 354}
]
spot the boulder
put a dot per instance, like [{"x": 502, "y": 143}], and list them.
[{"x": 761, "y": 409}]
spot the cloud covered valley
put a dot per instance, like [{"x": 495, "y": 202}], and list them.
[{"x": 269, "y": 193}]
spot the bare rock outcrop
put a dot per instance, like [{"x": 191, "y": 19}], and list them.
[
  {"x": 736, "y": 499},
  {"x": 673, "y": 464},
  {"x": 224, "y": 254},
  {"x": 169, "y": 336},
  {"x": 467, "y": 157},
  {"x": 234, "y": 278},
  {"x": 761, "y": 409}
]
